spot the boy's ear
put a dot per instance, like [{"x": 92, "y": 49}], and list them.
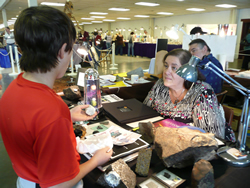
[{"x": 62, "y": 51}]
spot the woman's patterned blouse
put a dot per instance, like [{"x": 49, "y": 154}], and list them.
[{"x": 199, "y": 106}]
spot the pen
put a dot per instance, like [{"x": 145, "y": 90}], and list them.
[{"x": 109, "y": 150}]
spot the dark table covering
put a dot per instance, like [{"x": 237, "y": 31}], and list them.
[
  {"x": 225, "y": 176},
  {"x": 4, "y": 59},
  {"x": 145, "y": 49}
]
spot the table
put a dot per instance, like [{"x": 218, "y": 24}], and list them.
[
  {"x": 4, "y": 59},
  {"x": 232, "y": 92},
  {"x": 224, "y": 175}
]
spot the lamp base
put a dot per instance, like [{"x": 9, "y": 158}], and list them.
[
  {"x": 222, "y": 152},
  {"x": 113, "y": 68},
  {"x": 13, "y": 74},
  {"x": 72, "y": 74}
]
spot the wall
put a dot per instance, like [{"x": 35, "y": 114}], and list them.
[{"x": 221, "y": 17}]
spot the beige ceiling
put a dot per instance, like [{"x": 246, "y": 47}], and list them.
[{"x": 82, "y": 8}]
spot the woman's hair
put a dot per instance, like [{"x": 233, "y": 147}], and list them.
[
  {"x": 183, "y": 56},
  {"x": 132, "y": 33},
  {"x": 41, "y": 32}
]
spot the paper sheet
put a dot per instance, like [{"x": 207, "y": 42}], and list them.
[
  {"x": 118, "y": 84},
  {"x": 136, "y": 124}
]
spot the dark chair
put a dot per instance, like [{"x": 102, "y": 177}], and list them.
[
  {"x": 221, "y": 96},
  {"x": 229, "y": 114}
]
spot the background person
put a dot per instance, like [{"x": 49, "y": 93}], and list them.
[
  {"x": 119, "y": 43},
  {"x": 199, "y": 48},
  {"x": 35, "y": 123},
  {"x": 184, "y": 101},
  {"x": 98, "y": 43},
  {"x": 131, "y": 40},
  {"x": 108, "y": 40},
  {"x": 9, "y": 41}
]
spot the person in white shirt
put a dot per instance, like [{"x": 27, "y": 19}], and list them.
[
  {"x": 131, "y": 39},
  {"x": 9, "y": 40}
]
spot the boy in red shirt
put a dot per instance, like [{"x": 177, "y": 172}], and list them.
[{"x": 35, "y": 124}]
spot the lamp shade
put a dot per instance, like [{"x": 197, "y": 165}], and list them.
[{"x": 189, "y": 71}]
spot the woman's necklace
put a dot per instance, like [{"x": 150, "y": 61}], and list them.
[{"x": 177, "y": 98}]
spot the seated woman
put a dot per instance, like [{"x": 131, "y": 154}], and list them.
[{"x": 184, "y": 101}]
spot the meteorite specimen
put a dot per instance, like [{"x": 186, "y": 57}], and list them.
[
  {"x": 143, "y": 162},
  {"x": 72, "y": 93},
  {"x": 147, "y": 131},
  {"x": 181, "y": 147},
  {"x": 79, "y": 131},
  {"x": 118, "y": 175},
  {"x": 202, "y": 174},
  {"x": 90, "y": 110}
]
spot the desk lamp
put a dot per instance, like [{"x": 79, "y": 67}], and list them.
[
  {"x": 85, "y": 49},
  {"x": 189, "y": 72},
  {"x": 173, "y": 34}
]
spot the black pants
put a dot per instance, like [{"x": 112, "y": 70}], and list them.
[{"x": 246, "y": 60}]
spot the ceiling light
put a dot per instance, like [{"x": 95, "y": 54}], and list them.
[
  {"x": 142, "y": 28},
  {"x": 13, "y": 18},
  {"x": 124, "y": 29},
  {"x": 107, "y": 20},
  {"x": 119, "y": 9},
  {"x": 147, "y": 4},
  {"x": 53, "y": 4},
  {"x": 96, "y": 21},
  {"x": 165, "y": 13},
  {"x": 195, "y": 9},
  {"x": 135, "y": 29},
  {"x": 225, "y": 6},
  {"x": 122, "y": 18},
  {"x": 141, "y": 16},
  {"x": 87, "y": 18},
  {"x": 86, "y": 23},
  {"x": 99, "y": 13},
  {"x": 129, "y": 29},
  {"x": 156, "y": 27},
  {"x": 97, "y": 16}
]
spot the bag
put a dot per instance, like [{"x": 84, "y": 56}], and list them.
[
  {"x": 130, "y": 40},
  {"x": 101, "y": 44},
  {"x": 244, "y": 42}
]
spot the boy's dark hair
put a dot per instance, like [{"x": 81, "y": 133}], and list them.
[
  {"x": 40, "y": 32},
  {"x": 201, "y": 42},
  {"x": 7, "y": 27},
  {"x": 184, "y": 57}
]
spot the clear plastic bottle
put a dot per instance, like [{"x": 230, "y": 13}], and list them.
[{"x": 92, "y": 92}]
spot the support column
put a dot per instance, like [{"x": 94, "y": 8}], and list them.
[
  {"x": 233, "y": 16},
  {"x": 4, "y": 18},
  {"x": 151, "y": 25},
  {"x": 32, "y": 3},
  {"x": 109, "y": 26}
]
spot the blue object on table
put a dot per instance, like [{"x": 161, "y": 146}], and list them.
[{"x": 4, "y": 59}]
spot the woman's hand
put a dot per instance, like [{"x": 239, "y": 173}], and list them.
[{"x": 78, "y": 113}]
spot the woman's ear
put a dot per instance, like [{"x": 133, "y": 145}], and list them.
[{"x": 62, "y": 51}]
